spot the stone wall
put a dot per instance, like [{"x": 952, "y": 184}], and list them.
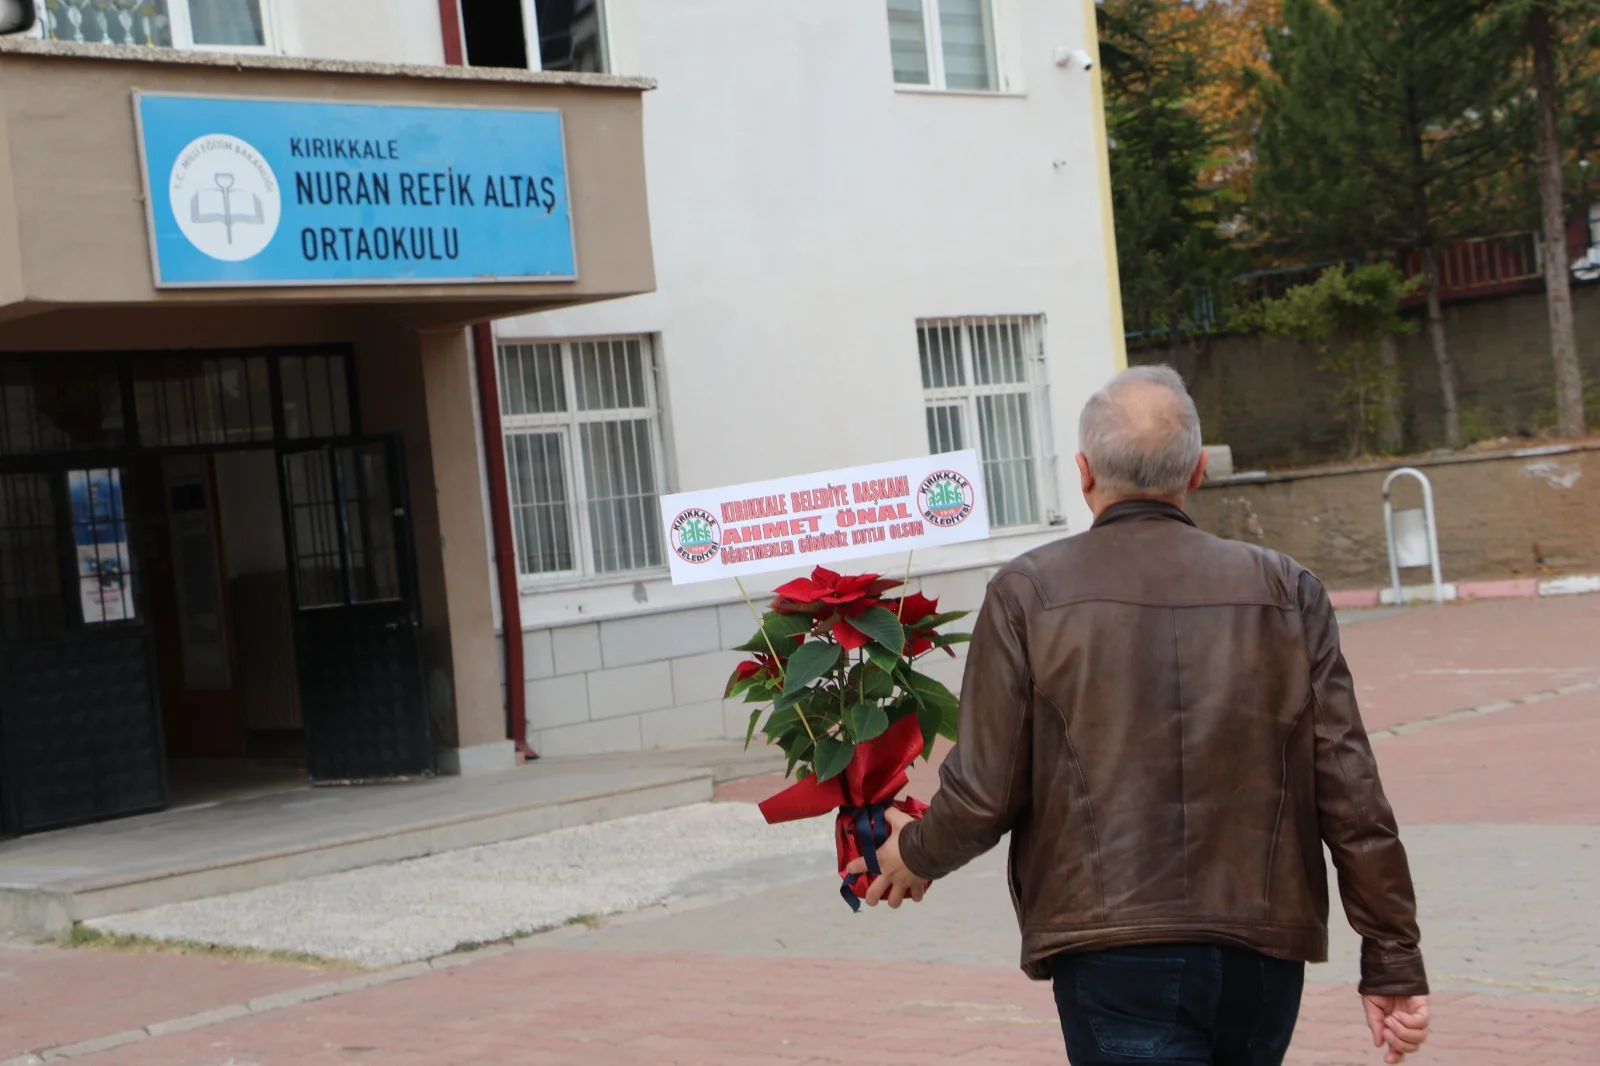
[
  {"x": 1523, "y": 513},
  {"x": 1266, "y": 398},
  {"x": 656, "y": 680}
]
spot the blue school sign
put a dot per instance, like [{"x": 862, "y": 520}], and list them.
[{"x": 271, "y": 192}]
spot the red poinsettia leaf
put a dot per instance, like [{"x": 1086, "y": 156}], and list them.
[
  {"x": 857, "y": 608},
  {"x": 849, "y": 637},
  {"x": 800, "y": 590}
]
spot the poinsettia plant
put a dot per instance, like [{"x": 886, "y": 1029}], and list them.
[{"x": 837, "y": 661}]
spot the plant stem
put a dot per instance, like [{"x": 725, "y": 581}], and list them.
[
  {"x": 905, "y": 587},
  {"x": 776, "y": 659}
]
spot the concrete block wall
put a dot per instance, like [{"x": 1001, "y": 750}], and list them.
[{"x": 656, "y": 680}]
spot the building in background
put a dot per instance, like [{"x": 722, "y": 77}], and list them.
[
  {"x": 877, "y": 228},
  {"x": 241, "y": 513},
  {"x": 881, "y": 228}
]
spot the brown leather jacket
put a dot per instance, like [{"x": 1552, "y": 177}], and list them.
[{"x": 1164, "y": 723}]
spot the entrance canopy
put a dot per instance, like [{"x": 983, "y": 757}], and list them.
[{"x": 144, "y": 179}]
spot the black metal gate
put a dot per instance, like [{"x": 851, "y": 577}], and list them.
[
  {"x": 80, "y": 727},
  {"x": 359, "y": 658}
]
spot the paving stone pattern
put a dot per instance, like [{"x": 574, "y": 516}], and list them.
[{"x": 1500, "y": 811}]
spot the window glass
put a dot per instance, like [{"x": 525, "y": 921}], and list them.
[
  {"x": 229, "y": 23},
  {"x": 968, "y": 51},
  {"x": 908, "y": 43},
  {"x": 536, "y": 469},
  {"x": 183, "y": 400},
  {"x": 571, "y": 35},
  {"x": 31, "y": 563},
  {"x": 59, "y": 404}
]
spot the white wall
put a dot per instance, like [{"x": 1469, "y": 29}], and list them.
[
  {"x": 805, "y": 214},
  {"x": 377, "y": 31}
]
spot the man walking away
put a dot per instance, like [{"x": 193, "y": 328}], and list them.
[{"x": 1163, "y": 722}]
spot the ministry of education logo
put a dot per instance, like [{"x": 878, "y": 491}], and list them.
[
  {"x": 945, "y": 498},
  {"x": 696, "y": 536},
  {"x": 225, "y": 197}
]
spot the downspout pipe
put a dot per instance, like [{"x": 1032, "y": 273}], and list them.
[{"x": 494, "y": 451}]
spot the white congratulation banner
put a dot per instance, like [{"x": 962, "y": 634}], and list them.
[{"x": 821, "y": 519}]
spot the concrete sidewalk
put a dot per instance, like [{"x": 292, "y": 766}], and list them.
[{"x": 50, "y": 881}]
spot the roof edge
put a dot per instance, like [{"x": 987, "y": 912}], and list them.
[{"x": 32, "y": 46}]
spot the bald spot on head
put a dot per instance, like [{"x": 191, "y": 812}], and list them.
[{"x": 1141, "y": 434}]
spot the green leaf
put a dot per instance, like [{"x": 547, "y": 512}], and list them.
[
  {"x": 883, "y": 627},
  {"x": 833, "y": 755},
  {"x": 880, "y": 684},
  {"x": 938, "y": 710},
  {"x": 868, "y": 720},
  {"x": 809, "y": 662},
  {"x": 951, "y": 725},
  {"x": 737, "y": 684},
  {"x": 934, "y": 621},
  {"x": 930, "y": 717},
  {"x": 781, "y": 629},
  {"x": 798, "y": 749},
  {"x": 784, "y": 701},
  {"x": 782, "y": 721},
  {"x": 883, "y": 659},
  {"x": 750, "y": 732}
]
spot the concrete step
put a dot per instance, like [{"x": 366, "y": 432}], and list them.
[{"x": 51, "y": 881}]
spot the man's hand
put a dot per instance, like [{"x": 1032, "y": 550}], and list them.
[
  {"x": 896, "y": 882},
  {"x": 1398, "y": 1023}
]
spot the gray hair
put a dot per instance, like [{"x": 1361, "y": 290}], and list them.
[{"x": 1138, "y": 448}]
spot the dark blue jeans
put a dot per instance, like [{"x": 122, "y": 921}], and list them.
[{"x": 1177, "y": 1005}]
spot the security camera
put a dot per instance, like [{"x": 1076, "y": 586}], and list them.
[{"x": 1075, "y": 57}]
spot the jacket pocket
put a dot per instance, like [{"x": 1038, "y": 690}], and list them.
[{"x": 1130, "y": 1002}]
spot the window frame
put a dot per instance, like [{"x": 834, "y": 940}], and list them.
[
  {"x": 567, "y": 425},
  {"x": 933, "y": 43},
  {"x": 182, "y": 28},
  {"x": 966, "y": 396}
]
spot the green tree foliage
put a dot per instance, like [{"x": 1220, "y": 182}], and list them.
[
  {"x": 1347, "y": 316},
  {"x": 1172, "y": 256},
  {"x": 1379, "y": 128}
]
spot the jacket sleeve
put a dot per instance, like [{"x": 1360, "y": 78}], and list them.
[
  {"x": 983, "y": 782},
  {"x": 1354, "y": 816}
]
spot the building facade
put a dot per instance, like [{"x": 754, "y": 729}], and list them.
[
  {"x": 290, "y": 515},
  {"x": 241, "y": 242},
  {"x": 882, "y": 228}
]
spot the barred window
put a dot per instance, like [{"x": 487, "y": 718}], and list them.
[
  {"x": 983, "y": 382},
  {"x": 583, "y": 456}
]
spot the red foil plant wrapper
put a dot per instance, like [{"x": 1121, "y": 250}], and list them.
[{"x": 837, "y": 662}]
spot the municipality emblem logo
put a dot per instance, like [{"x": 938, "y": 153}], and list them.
[
  {"x": 225, "y": 197},
  {"x": 945, "y": 498},
  {"x": 696, "y": 536}
]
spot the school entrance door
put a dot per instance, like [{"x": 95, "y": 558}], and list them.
[{"x": 201, "y": 559}]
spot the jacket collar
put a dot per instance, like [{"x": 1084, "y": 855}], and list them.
[{"x": 1141, "y": 511}]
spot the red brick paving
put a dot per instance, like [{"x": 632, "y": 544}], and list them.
[
  {"x": 50, "y": 997},
  {"x": 1433, "y": 660},
  {"x": 1533, "y": 765},
  {"x": 1530, "y": 764},
  {"x": 554, "y": 1008}
]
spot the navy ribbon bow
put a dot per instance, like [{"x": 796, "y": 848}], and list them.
[{"x": 872, "y": 829}]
